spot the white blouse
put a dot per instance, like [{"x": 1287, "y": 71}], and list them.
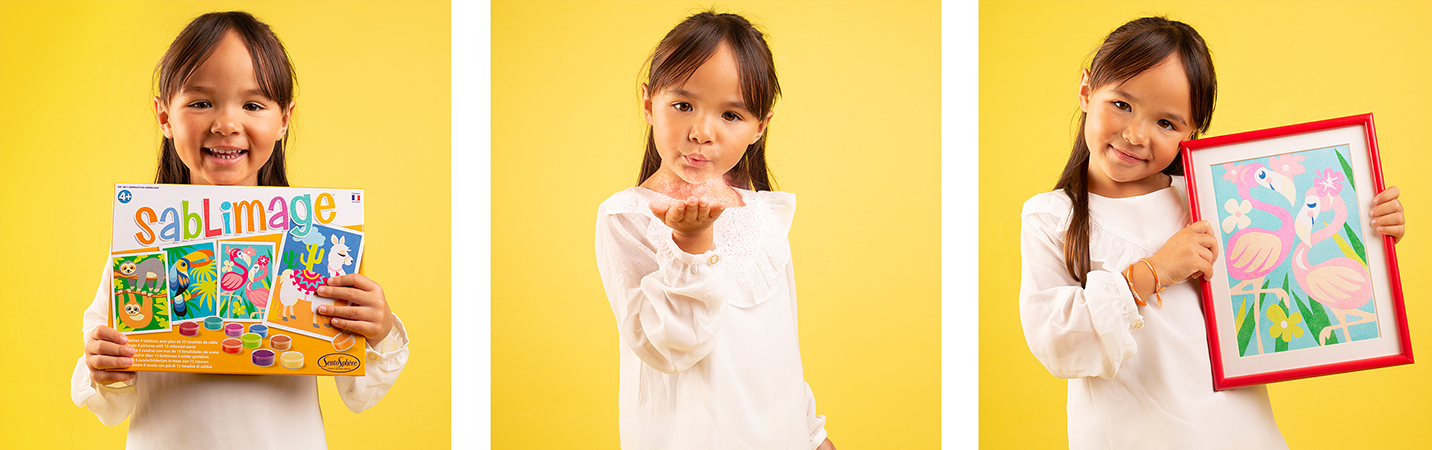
[
  {"x": 188, "y": 410},
  {"x": 1139, "y": 377},
  {"x": 710, "y": 357}
]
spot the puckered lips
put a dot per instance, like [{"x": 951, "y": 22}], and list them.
[{"x": 695, "y": 160}]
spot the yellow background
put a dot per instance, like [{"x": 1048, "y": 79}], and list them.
[
  {"x": 373, "y": 112},
  {"x": 856, "y": 137},
  {"x": 1278, "y": 63}
]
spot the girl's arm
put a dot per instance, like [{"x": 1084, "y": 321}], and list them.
[
  {"x": 113, "y": 402},
  {"x": 666, "y": 301},
  {"x": 1074, "y": 331},
  {"x": 385, "y": 361}
]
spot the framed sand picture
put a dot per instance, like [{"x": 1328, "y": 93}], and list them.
[{"x": 1303, "y": 286}]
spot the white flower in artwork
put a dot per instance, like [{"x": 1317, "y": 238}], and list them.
[{"x": 1237, "y": 215}]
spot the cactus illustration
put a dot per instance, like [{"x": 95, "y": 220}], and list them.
[{"x": 315, "y": 254}]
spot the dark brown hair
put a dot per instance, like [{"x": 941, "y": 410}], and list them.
[
  {"x": 689, "y": 45},
  {"x": 1128, "y": 51},
  {"x": 276, "y": 78}
]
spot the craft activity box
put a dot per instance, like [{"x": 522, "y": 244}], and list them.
[{"x": 223, "y": 279}]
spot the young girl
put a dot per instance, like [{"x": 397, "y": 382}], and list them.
[
  {"x": 696, "y": 262},
  {"x": 225, "y": 99},
  {"x": 1138, "y": 375}
]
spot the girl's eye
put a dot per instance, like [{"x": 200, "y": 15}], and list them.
[
  {"x": 251, "y": 106},
  {"x": 200, "y": 104},
  {"x": 730, "y": 116},
  {"x": 1122, "y": 106},
  {"x": 682, "y": 106},
  {"x": 1166, "y": 125}
]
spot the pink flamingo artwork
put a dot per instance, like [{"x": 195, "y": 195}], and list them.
[
  {"x": 1254, "y": 252},
  {"x": 234, "y": 280},
  {"x": 258, "y": 296},
  {"x": 1342, "y": 283}
]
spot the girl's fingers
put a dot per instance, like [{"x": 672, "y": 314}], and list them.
[
  {"x": 106, "y": 348},
  {"x": 703, "y": 210},
  {"x": 1383, "y": 214},
  {"x": 101, "y": 362},
  {"x": 367, "y": 329},
  {"x": 356, "y": 280},
  {"x": 1391, "y": 193},
  {"x": 103, "y": 377},
  {"x": 348, "y": 312},
  {"x": 716, "y": 211},
  {"x": 105, "y": 333},
  {"x": 1396, "y": 231}
]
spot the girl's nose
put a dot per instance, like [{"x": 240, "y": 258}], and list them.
[
  {"x": 1136, "y": 134},
  {"x": 700, "y": 131},
  {"x": 224, "y": 124}
]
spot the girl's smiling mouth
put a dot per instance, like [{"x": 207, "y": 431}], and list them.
[
  {"x": 225, "y": 155},
  {"x": 1127, "y": 157}
]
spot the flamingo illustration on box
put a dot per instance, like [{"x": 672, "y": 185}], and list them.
[{"x": 244, "y": 278}]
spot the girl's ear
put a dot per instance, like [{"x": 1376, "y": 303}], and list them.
[
  {"x": 287, "y": 114},
  {"x": 161, "y": 113},
  {"x": 761, "y": 129},
  {"x": 1084, "y": 91},
  {"x": 646, "y": 103}
]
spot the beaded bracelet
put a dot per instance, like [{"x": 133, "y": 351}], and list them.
[
  {"x": 1129, "y": 278},
  {"x": 1157, "y": 287}
]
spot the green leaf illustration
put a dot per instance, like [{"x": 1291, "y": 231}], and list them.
[
  {"x": 1245, "y": 328},
  {"x": 1356, "y": 244},
  {"x": 1347, "y": 169}
]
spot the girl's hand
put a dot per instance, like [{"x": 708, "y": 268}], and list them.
[
  {"x": 1188, "y": 253},
  {"x": 826, "y": 445},
  {"x": 1387, "y": 214},
  {"x": 107, "y": 349},
  {"x": 690, "y": 221},
  {"x": 367, "y": 312}
]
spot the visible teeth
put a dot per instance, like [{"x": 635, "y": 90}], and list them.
[{"x": 225, "y": 154}]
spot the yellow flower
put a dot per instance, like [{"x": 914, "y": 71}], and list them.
[{"x": 1284, "y": 326}]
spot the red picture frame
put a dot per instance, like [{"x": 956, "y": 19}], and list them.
[{"x": 1227, "y": 168}]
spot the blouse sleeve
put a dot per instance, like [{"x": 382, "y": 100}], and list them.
[
  {"x": 386, "y": 360},
  {"x": 110, "y": 403},
  {"x": 1073, "y": 331},
  {"x": 667, "y": 302},
  {"x": 816, "y": 422}
]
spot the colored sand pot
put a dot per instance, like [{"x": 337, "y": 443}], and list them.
[
  {"x": 232, "y": 345},
  {"x": 252, "y": 340},
  {"x": 260, "y": 330},
  {"x": 291, "y": 360},
  {"x": 264, "y": 357},
  {"x": 214, "y": 323},
  {"x": 280, "y": 342},
  {"x": 189, "y": 328},
  {"x": 234, "y": 329},
  {"x": 343, "y": 341}
]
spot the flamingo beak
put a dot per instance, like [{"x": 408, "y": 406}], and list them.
[{"x": 1285, "y": 187}]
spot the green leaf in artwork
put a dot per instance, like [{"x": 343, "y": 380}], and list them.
[
  {"x": 1245, "y": 328},
  {"x": 1347, "y": 169},
  {"x": 1356, "y": 244}
]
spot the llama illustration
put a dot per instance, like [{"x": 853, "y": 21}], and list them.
[
  {"x": 302, "y": 284},
  {"x": 337, "y": 258}
]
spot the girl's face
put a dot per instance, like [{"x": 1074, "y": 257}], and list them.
[
  {"x": 1133, "y": 128},
  {"x": 701, "y": 128},
  {"x": 223, "y": 126}
]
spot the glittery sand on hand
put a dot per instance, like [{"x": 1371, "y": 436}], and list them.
[{"x": 714, "y": 191}]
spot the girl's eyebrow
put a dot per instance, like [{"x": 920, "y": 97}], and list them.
[
  {"x": 203, "y": 89},
  {"x": 1176, "y": 117},
  {"x": 731, "y": 104}
]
